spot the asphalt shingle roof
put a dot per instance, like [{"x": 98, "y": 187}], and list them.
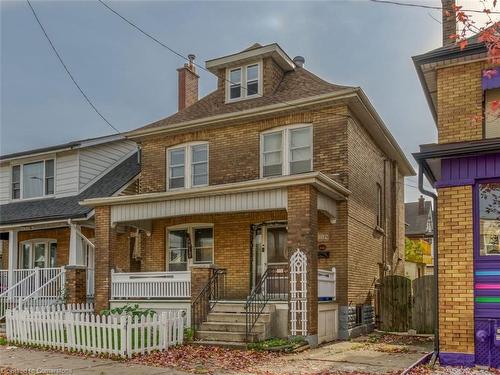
[
  {"x": 416, "y": 224},
  {"x": 296, "y": 84},
  {"x": 69, "y": 207}
]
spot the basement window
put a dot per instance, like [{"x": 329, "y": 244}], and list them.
[{"x": 244, "y": 82}]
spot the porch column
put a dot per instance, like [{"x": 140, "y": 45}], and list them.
[
  {"x": 76, "y": 284},
  {"x": 75, "y": 246},
  {"x": 303, "y": 234},
  {"x": 104, "y": 242},
  {"x": 13, "y": 256}
]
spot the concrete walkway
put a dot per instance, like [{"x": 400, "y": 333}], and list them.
[{"x": 45, "y": 362}]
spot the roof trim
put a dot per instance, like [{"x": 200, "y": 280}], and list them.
[
  {"x": 322, "y": 182},
  {"x": 244, "y": 114},
  {"x": 274, "y": 50},
  {"x": 433, "y": 150},
  {"x": 357, "y": 100},
  {"x": 63, "y": 147}
]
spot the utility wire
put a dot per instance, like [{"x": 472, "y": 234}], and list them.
[
  {"x": 390, "y": 2},
  {"x": 67, "y": 70},
  {"x": 198, "y": 65}
]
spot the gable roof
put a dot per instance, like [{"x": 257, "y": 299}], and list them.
[
  {"x": 64, "y": 146},
  {"x": 297, "y": 84},
  {"x": 69, "y": 207},
  {"x": 417, "y": 224}
]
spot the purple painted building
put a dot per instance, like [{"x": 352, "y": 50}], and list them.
[{"x": 463, "y": 91}]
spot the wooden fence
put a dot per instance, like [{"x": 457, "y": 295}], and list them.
[
  {"x": 120, "y": 335},
  {"x": 405, "y": 304}
]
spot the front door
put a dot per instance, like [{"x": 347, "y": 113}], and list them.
[{"x": 270, "y": 243}]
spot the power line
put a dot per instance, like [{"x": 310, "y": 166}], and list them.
[
  {"x": 198, "y": 65},
  {"x": 390, "y": 2},
  {"x": 67, "y": 70}
]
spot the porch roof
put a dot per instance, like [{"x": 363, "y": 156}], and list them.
[{"x": 261, "y": 194}]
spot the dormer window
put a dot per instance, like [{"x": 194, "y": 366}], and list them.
[
  {"x": 33, "y": 180},
  {"x": 244, "y": 82}
]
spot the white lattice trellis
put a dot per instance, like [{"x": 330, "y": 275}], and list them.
[{"x": 298, "y": 293}]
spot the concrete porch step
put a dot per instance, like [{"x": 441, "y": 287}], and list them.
[
  {"x": 235, "y": 317},
  {"x": 232, "y": 327},
  {"x": 231, "y": 307},
  {"x": 227, "y": 336}
]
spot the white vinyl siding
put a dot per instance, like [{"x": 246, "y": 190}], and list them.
[
  {"x": 95, "y": 161},
  {"x": 66, "y": 174},
  {"x": 5, "y": 185}
]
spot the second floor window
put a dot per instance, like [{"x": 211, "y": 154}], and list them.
[
  {"x": 491, "y": 115},
  {"x": 286, "y": 151},
  {"x": 33, "y": 180},
  {"x": 188, "y": 166}
]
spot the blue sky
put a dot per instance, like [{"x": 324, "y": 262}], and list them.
[{"x": 133, "y": 81}]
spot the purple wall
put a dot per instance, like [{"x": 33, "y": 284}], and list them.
[
  {"x": 472, "y": 171},
  {"x": 491, "y": 81},
  {"x": 465, "y": 171}
]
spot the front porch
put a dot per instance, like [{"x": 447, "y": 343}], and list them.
[{"x": 175, "y": 246}]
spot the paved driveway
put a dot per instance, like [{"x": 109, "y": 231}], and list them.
[{"x": 371, "y": 358}]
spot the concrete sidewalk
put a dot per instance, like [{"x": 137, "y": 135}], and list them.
[{"x": 45, "y": 362}]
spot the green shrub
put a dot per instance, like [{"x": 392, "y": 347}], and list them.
[{"x": 133, "y": 310}]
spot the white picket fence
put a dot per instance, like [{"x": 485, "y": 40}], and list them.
[{"x": 120, "y": 335}]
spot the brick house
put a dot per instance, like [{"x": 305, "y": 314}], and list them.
[
  {"x": 44, "y": 230},
  {"x": 464, "y": 168},
  {"x": 275, "y": 159}
]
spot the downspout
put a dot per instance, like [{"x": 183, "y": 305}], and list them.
[{"x": 434, "y": 197}]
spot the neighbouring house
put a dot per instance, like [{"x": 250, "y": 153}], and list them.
[
  {"x": 45, "y": 233},
  {"x": 419, "y": 238},
  {"x": 464, "y": 168},
  {"x": 271, "y": 206}
]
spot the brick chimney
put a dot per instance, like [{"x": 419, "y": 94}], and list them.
[
  {"x": 449, "y": 21},
  {"x": 188, "y": 84},
  {"x": 421, "y": 205}
]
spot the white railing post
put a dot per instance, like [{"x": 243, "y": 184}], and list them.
[{"x": 13, "y": 254}]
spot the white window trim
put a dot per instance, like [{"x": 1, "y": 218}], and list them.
[
  {"x": 33, "y": 242},
  {"x": 190, "y": 229},
  {"x": 188, "y": 171},
  {"x": 244, "y": 82},
  {"x": 285, "y": 148},
  {"x": 21, "y": 182}
]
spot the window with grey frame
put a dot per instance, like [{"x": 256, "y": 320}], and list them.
[{"x": 188, "y": 166}]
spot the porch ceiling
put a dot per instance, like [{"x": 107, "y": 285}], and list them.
[{"x": 256, "y": 195}]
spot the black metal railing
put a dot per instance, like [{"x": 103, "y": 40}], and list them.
[
  {"x": 212, "y": 292},
  {"x": 273, "y": 285}
]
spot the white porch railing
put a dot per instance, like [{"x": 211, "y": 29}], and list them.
[
  {"x": 327, "y": 285},
  {"x": 46, "y": 293},
  {"x": 150, "y": 285}
]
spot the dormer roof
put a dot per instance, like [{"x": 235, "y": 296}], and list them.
[{"x": 255, "y": 51}]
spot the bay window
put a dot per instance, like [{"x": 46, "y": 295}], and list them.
[
  {"x": 33, "y": 180},
  {"x": 187, "y": 166},
  {"x": 489, "y": 218},
  {"x": 286, "y": 151},
  {"x": 189, "y": 245}
]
